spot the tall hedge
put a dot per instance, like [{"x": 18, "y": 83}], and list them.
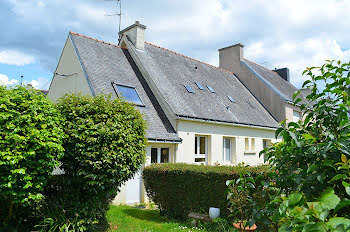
[
  {"x": 30, "y": 146},
  {"x": 179, "y": 189}
]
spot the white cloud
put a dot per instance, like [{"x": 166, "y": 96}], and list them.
[
  {"x": 39, "y": 83},
  {"x": 13, "y": 57},
  {"x": 5, "y": 80}
]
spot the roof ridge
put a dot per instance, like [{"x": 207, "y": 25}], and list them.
[
  {"x": 262, "y": 66},
  {"x": 190, "y": 58},
  {"x": 74, "y": 33}
]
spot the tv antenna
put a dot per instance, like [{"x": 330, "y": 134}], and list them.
[
  {"x": 118, "y": 2},
  {"x": 265, "y": 64}
]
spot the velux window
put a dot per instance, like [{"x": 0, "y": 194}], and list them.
[{"x": 128, "y": 92}]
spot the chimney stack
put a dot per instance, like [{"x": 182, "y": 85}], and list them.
[
  {"x": 136, "y": 33},
  {"x": 230, "y": 57},
  {"x": 284, "y": 73}
]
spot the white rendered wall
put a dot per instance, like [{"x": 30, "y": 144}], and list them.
[
  {"x": 74, "y": 81},
  {"x": 187, "y": 130}
]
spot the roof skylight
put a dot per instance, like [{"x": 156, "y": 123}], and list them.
[
  {"x": 231, "y": 99},
  {"x": 127, "y": 92},
  {"x": 200, "y": 86},
  {"x": 189, "y": 89},
  {"x": 210, "y": 89}
]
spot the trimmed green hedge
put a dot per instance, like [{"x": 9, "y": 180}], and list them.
[{"x": 182, "y": 188}]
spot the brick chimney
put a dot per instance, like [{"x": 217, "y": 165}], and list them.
[
  {"x": 230, "y": 56},
  {"x": 136, "y": 33}
]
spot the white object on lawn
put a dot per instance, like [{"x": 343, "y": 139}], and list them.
[{"x": 214, "y": 212}]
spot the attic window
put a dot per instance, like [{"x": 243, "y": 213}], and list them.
[
  {"x": 231, "y": 99},
  {"x": 210, "y": 89},
  {"x": 129, "y": 93},
  {"x": 189, "y": 89},
  {"x": 200, "y": 86}
]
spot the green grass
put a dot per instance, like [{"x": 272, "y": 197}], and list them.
[{"x": 130, "y": 219}]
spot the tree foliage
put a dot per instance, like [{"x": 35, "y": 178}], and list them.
[
  {"x": 30, "y": 146},
  {"x": 310, "y": 148},
  {"x": 104, "y": 146}
]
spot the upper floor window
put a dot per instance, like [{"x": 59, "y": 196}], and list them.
[
  {"x": 200, "y": 149},
  {"x": 128, "y": 92}
]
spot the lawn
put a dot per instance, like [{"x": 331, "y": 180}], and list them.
[{"x": 128, "y": 218}]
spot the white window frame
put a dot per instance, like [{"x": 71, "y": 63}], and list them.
[
  {"x": 198, "y": 155},
  {"x": 251, "y": 148},
  {"x": 268, "y": 142},
  {"x": 223, "y": 149},
  {"x": 159, "y": 150}
]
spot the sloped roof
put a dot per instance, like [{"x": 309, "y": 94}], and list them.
[
  {"x": 170, "y": 71},
  {"x": 282, "y": 87},
  {"x": 105, "y": 63}
]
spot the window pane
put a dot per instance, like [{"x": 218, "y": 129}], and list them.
[
  {"x": 154, "y": 155},
  {"x": 227, "y": 149},
  {"x": 196, "y": 145},
  {"x": 200, "y": 86},
  {"x": 164, "y": 155},
  {"x": 189, "y": 89},
  {"x": 296, "y": 116},
  {"x": 129, "y": 94},
  {"x": 202, "y": 145},
  {"x": 247, "y": 144},
  {"x": 253, "y": 144}
]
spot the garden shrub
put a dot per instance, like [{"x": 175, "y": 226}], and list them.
[
  {"x": 30, "y": 146},
  {"x": 179, "y": 189},
  {"x": 310, "y": 148},
  {"x": 104, "y": 147}
]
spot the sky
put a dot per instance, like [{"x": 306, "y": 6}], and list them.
[{"x": 276, "y": 34}]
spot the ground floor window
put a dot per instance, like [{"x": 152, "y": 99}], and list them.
[
  {"x": 227, "y": 150},
  {"x": 160, "y": 155},
  {"x": 249, "y": 145},
  {"x": 266, "y": 143},
  {"x": 200, "y": 149}
]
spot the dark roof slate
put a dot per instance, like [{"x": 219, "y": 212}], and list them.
[
  {"x": 105, "y": 63},
  {"x": 170, "y": 71}
]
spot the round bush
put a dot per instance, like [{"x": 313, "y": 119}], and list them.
[
  {"x": 104, "y": 147},
  {"x": 30, "y": 145}
]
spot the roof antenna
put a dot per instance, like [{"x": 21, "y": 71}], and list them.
[
  {"x": 21, "y": 80},
  {"x": 118, "y": 2},
  {"x": 265, "y": 64}
]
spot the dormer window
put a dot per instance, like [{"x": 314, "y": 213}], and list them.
[{"x": 128, "y": 93}]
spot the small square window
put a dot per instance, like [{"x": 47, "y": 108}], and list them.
[
  {"x": 210, "y": 89},
  {"x": 200, "y": 86},
  {"x": 127, "y": 92},
  {"x": 189, "y": 89}
]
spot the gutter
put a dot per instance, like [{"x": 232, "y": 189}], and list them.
[
  {"x": 247, "y": 125},
  {"x": 153, "y": 140}
]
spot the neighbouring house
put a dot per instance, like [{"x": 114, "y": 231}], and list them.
[
  {"x": 271, "y": 87},
  {"x": 196, "y": 112}
]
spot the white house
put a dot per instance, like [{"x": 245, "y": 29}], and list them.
[{"x": 197, "y": 113}]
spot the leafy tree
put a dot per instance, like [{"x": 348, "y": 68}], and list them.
[
  {"x": 310, "y": 149},
  {"x": 104, "y": 147},
  {"x": 30, "y": 145}
]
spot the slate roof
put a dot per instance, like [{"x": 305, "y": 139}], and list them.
[
  {"x": 282, "y": 87},
  {"x": 105, "y": 63},
  {"x": 170, "y": 71}
]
